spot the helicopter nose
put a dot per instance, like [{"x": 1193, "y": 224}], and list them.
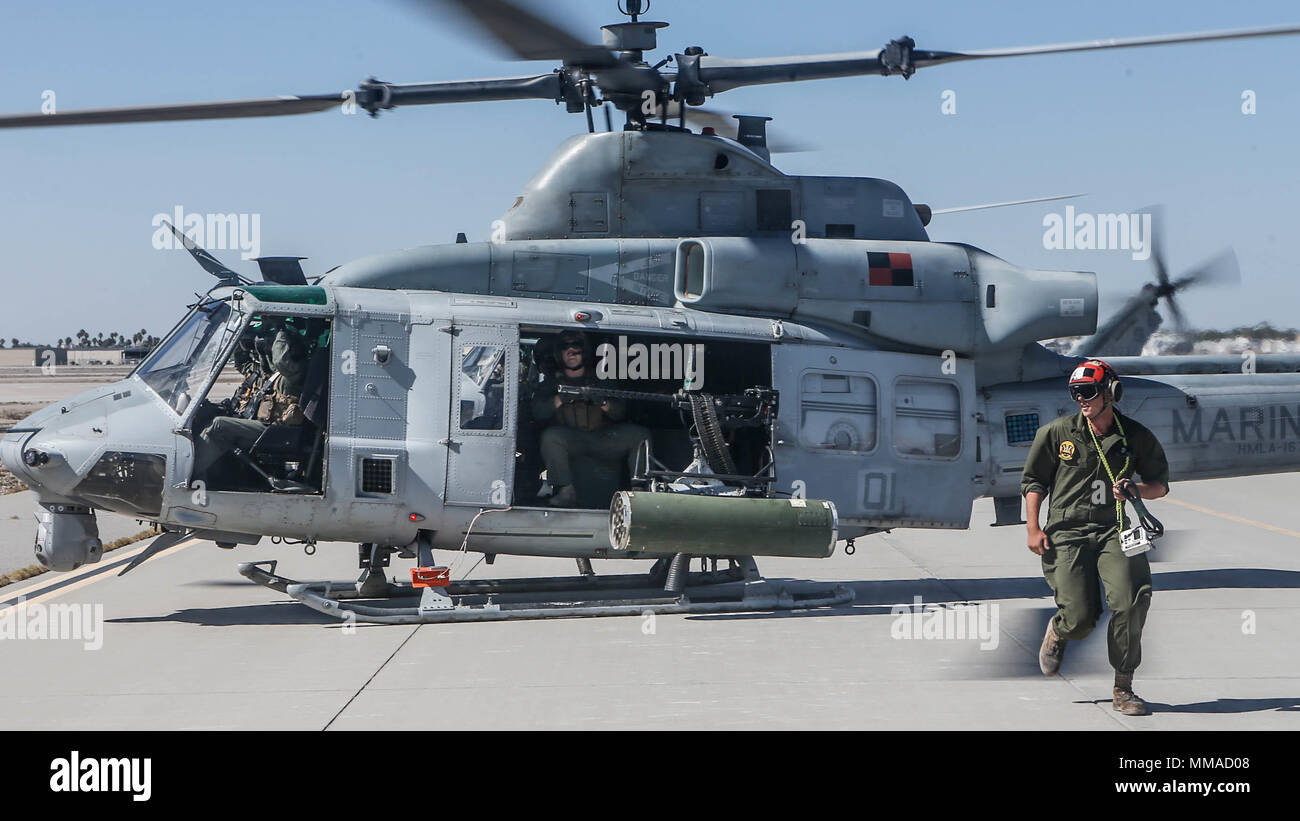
[
  {"x": 11, "y": 456},
  {"x": 30, "y": 459},
  {"x": 53, "y": 453}
]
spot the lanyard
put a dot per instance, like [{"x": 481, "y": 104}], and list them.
[{"x": 1119, "y": 503}]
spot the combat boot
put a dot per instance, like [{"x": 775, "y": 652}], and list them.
[
  {"x": 1051, "y": 652},
  {"x": 1123, "y": 698},
  {"x": 566, "y": 496}
]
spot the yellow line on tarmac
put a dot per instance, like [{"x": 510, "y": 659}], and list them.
[
  {"x": 1240, "y": 519},
  {"x": 97, "y": 573}
]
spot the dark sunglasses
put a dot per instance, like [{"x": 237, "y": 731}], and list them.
[{"x": 1085, "y": 392}]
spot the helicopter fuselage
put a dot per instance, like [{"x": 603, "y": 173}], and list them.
[
  {"x": 893, "y": 439},
  {"x": 907, "y": 373}
]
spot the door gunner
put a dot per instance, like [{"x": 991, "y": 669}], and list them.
[{"x": 580, "y": 428}]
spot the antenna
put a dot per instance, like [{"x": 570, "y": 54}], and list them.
[
  {"x": 634, "y": 8},
  {"x": 752, "y": 133}
]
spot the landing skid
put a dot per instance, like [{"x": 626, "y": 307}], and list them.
[{"x": 668, "y": 588}]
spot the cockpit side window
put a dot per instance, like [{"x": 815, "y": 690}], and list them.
[
  {"x": 482, "y": 387},
  {"x": 263, "y": 423},
  {"x": 182, "y": 365}
]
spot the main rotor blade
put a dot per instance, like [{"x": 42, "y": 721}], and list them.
[
  {"x": 718, "y": 74},
  {"x": 528, "y": 34},
  {"x": 1122, "y": 42},
  {"x": 959, "y": 209},
  {"x": 372, "y": 96},
  {"x": 900, "y": 57},
  {"x": 379, "y": 95},
  {"x": 262, "y": 107}
]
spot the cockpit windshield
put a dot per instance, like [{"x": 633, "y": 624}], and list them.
[{"x": 179, "y": 368}]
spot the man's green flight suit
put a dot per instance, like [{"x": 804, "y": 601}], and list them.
[
  {"x": 277, "y": 403},
  {"x": 1082, "y": 531}
]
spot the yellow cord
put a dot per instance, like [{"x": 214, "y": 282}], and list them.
[{"x": 1119, "y": 500}]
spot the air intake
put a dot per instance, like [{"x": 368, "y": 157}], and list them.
[{"x": 376, "y": 475}]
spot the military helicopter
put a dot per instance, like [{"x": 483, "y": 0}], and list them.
[{"x": 807, "y": 365}]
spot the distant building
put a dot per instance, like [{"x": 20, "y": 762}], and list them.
[{"x": 46, "y": 356}]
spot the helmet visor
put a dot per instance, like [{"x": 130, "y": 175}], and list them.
[{"x": 1085, "y": 392}]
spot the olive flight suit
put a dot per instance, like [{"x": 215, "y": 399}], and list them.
[
  {"x": 582, "y": 429},
  {"x": 1082, "y": 531},
  {"x": 276, "y": 403},
  {"x": 256, "y": 368}
]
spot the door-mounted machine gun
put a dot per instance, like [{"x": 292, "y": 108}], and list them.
[{"x": 712, "y": 416}]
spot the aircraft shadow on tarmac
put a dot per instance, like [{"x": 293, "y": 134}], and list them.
[
  {"x": 1021, "y": 627},
  {"x": 875, "y": 597},
  {"x": 277, "y": 613},
  {"x": 872, "y": 598}
]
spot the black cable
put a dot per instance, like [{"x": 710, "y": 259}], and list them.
[{"x": 1151, "y": 523}]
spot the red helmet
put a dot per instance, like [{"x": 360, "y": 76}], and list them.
[{"x": 1095, "y": 377}]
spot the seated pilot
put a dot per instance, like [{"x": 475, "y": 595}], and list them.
[
  {"x": 256, "y": 367},
  {"x": 580, "y": 428},
  {"x": 275, "y": 402}
]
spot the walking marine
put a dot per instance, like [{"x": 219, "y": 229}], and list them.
[{"x": 1082, "y": 460}]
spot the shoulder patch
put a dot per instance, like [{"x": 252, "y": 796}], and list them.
[{"x": 1067, "y": 450}]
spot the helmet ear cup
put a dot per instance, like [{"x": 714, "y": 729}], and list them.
[{"x": 1110, "y": 385}]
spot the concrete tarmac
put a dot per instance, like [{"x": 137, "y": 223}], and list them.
[{"x": 189, "y": 644}]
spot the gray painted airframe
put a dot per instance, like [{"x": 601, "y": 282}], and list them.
[{"x": 907, "y": 374}]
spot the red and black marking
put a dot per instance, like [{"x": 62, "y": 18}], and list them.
[
  {"x": 1088, "y": 374},
  {"x": 890, "y": 269}
]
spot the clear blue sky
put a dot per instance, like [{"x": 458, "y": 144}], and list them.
[{"x": 1134, "y": 127}]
